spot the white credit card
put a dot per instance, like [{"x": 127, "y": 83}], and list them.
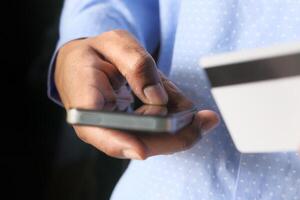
[{"x": 258, "y": 94}]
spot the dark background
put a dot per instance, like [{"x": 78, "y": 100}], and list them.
[{"x": 40, "y": 156}]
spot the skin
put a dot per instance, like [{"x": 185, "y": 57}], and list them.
[{"x": 93, "y": 71}]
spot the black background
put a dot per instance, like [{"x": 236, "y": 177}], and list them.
[{"x": 32, "y": 125}]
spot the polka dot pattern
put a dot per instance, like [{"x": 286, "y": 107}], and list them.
[{"x": 213, "y": 169}]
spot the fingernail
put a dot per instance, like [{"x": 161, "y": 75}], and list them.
[
  {"x": 156, "y": 94},
  {"x": 128, "y": 153}
]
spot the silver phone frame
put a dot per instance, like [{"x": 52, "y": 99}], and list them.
[{"x": 130, "y": 121}]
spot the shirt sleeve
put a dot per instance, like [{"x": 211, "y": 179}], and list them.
[{"x": 87, "y": 18}]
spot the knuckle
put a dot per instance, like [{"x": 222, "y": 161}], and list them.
[
  {"x": 117, "y": 33},
  {"x": 142, "y": 62},
  {"x": 120, "y": 33},
  {"x": 70, "y": 49},
  {"x": 83, "y": 57},
  {"x": 76, "y": 52}
]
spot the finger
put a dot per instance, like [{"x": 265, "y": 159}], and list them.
[
  {"x": 124, "y": 94},
  {"x": 176, "y": 97},
  {"x": 135, "y": 64},
  {"x": 104, "y": 86},
  {"x": 81, "y": 83},
  {"x": 152, "y": 110},
  {"x": 114, "y": 143},
  {"x": 94, "y": 93},
  {"x": 184, "y": 139},
  {"x": 209, "y": 119},
  {"x": 109, "y": 106},
  {"x": 115, "y": 77}
]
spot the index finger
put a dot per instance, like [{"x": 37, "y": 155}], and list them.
[
  {"x": 176, "y": 96},
  {"x": 134, "y": 63}
]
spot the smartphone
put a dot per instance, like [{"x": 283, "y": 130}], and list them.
[{"x": 147, "y": 118}]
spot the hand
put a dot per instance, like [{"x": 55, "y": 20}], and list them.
[
  {"x": 163, "y": 143},
  {"x": 90, "y": 72}
]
